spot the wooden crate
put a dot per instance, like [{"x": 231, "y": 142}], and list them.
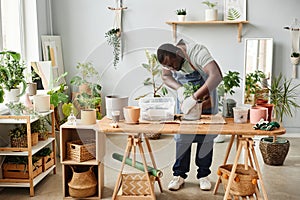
[
  {"x": 48, "y": 161},
  {"x": 79, "y": 151},
  {"x": 20, "y": 171}
]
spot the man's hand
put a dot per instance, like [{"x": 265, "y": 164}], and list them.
[
  {"x": 188, "y": 104},
  {"x": 180, "y": 95}
]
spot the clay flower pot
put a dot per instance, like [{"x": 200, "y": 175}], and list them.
[{"x": 131, "y": 114}]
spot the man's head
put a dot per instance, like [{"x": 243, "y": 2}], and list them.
[{"x": 170, "y": 56}]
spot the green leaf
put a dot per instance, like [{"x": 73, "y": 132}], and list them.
[{"x": 233, "y": 14}]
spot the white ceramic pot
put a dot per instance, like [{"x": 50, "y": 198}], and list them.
[
  {"x": 211, "y": 14},
  {"x": 88, "y": 116},
  {"x": 181, "y": 18},
  {"x": 195, "y": 112},
  {"x": 12, "y": 95},
  {"x": 41, "y": 103},
  {"x": 31, "y": 88},
  {"x": 115, "y": 103}
]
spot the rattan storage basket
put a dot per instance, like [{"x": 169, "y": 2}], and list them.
[
  {"x": 82, "y": 184},
  {"x": 22, "y": 141},
  {"x": 81, "y": 151},
  {"x": 245, "y": 181}
]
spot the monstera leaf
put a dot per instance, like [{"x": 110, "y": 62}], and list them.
[{"x": 233, "y": 14}]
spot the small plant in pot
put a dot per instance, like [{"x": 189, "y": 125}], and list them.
[
  {"x": 211, "y": 14},
  {"x": 253, "y": 86},
  {"x": 230, "y": 80},
  {"x": 18, "y": 136},
  {"x": 40, "y": 127},
  {"x": 181, "y": 14},
  {"x": 196, "y": 111},
  {"x": 283, "y": 95},
  {"x": 11, "y": 75}
]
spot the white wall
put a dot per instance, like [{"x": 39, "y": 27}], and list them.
[{"x": 83, "y": 23}]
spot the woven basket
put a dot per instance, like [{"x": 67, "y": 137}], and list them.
[
  {"x": 136, "y": 184},
  {"x": 83, "y": 184},
  {"x": 153, "y": 136},
  {"x": 80, "y": 152},
  {"x": 22, "y": 141},
  {"x": 245, "y": 181},
  {"x": 274, "y": 153}
]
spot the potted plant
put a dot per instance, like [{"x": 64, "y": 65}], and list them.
[
  {"x": 211, "y": 14},
  {"x": 18, "y": 136},
  {"x": 196, "y": 111},
  {"x": 283, "y": 94},
  {"x": 295, "y": 58},
  {"x": 32, "y": 78},
  {"x": 40, "y": 127},
  {"x": 113, "y": 37},
  {"x": 16, "y": 108},
  {"x": 11, "y": 74},
  {"x": 181, "y": 14},
  {"x": 253, "y": 86},
  {"x": 88, "y": 99},
  {"x": 230, "y": 80}
]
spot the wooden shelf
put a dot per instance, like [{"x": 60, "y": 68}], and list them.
[{"x": 175, "y": 23}]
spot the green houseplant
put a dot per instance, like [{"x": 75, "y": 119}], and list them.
[
  {"x": 89, "y": 96},
  {"x": 211, "y": 14},
  {"x": 40, "y": 127},
  {"x": 283, "y": 95},
  {"x": 113, "y": 37},
  {"x": 18, "y": 136},
  {"x": 11, "y": 73},
  {"x": 196, "y": 111},
  {"x": 181, "y": 14},
  {"x": 253, "y": 86},
  {"x": 154, "y": 69},
  {"x": 230, "y": 81}
]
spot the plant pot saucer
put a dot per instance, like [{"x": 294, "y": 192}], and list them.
[{"x": 131, "y": 123}]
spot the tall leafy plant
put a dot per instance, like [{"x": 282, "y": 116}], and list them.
[
  {"x": 11, "y": 72},
  {"x": 154, "y": 69},
  {"x": 283, "y": 94}
]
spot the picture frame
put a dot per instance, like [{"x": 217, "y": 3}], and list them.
[
  {"x": 235, "y": 10},
  {"x": 52, "y": 51}
]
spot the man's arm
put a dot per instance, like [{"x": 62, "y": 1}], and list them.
[
  {"x": 169, "y": 80},
  {"x": 214, "y": 78}
]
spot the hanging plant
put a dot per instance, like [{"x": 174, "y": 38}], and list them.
[{"x": 113, "y": 37}]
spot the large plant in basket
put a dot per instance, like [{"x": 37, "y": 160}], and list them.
[{"x": 283, "y": 94}]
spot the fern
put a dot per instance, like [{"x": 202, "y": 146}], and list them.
[{"x": 233, "y": 14}]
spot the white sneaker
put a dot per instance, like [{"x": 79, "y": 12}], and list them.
[
  {"x": 204, "y": 183},
  {"x": 176, "y": 183}
]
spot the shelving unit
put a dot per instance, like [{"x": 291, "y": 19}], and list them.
[
  {"x": 82, "y": 132},
  {"x": 238, "y": 23},
  {"x": 29, "y": 151}
]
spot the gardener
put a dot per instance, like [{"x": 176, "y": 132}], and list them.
[{"x": 183, "y": 63}]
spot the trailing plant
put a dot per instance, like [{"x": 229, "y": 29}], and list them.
[
  {"x": 16, "y": 108},
  {"x": 209, "y": 4},
  {"x": 283, "y": 94},
  {"x": 113, "y": 37},
  {"x": 44, "y": 152},
  {"x": 181, "y": 11},
  {"x": 11, "y": 71},
  {"x": 155, "y": 70}
]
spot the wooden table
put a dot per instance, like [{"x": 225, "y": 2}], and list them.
[{"x": 243, "y": 132}]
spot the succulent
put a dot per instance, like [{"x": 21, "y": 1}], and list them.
[{"x": 181, "y": 11}]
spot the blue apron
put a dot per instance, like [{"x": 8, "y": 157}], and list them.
[{"x": 195, "y": 77}]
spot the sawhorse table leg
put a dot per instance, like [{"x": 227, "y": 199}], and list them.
[
  {"x": 248, "y": 144},
  {"x": 134, "y": 141}
]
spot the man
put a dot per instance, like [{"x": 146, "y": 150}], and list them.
[{"x": 183, "y": 63}]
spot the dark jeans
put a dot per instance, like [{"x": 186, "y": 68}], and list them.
[{"x": 203, "y": 159}]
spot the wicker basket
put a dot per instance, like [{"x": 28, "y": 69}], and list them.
[
  {"x": 22, "y": 141},
  {"x": 153, "y": 136},
  {"x": 245, "y": 181},
  {"x": 274, "y": 153},
  {"x": 83, "y": 184},
  {"x": 136, "y": 184},
  {"x": 79, "y": 151}
]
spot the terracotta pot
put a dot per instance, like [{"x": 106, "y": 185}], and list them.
[
  {"x": 270, "y": 110},
  {"x": 131, "y": 114},
  {"x": 257, "y": 113}
]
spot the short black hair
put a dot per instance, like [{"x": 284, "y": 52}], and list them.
[{"x": 166, "y": 50}]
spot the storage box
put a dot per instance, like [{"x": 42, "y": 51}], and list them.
[
  {"x": 20, "y": 171},
  {"x": 48, "y": 161},
  {"x": 22, "y": 141},
  {"x": 136, "y": 184},
  {"x": 81, "y": 151},
  {"x": 157, "y": 108}
]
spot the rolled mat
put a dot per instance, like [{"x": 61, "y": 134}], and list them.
[{"x": 138, "y": 165}]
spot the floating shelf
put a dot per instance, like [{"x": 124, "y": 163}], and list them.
[{"x": 238, "y": 23}]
